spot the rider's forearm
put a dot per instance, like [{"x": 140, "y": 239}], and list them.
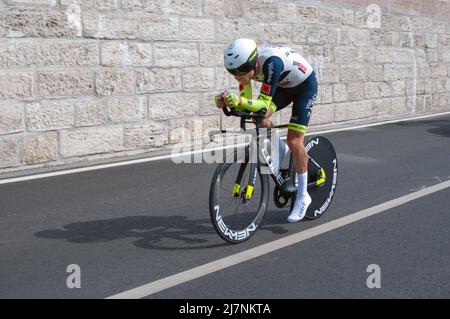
[
  {"x": 246, "y": 91},
  {"x": 263, "y": 102}
]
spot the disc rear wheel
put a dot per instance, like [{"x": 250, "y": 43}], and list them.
[{"x": 321, "y": 151}]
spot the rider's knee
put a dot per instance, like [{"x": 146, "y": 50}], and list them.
[
  {"x": 296, "y": 146},
  {"x": 295, "y": 141}
]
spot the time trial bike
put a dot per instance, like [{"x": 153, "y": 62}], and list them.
[{"x": 239, "y": 191}]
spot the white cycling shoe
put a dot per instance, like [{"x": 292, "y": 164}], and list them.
[{"x": 300, "y": 207}]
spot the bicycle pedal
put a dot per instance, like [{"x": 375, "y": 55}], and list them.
[{"x": 288, "y": 187}]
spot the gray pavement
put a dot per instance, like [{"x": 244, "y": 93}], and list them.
[{"x": 131, "y": 225}]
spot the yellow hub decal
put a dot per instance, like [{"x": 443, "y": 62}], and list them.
[{"x": 322, "y": 179}]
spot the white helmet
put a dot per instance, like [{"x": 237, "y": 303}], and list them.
[{"x": 240, "y": 56}]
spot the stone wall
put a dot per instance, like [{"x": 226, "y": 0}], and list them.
[{"x": 91, "y": 79}]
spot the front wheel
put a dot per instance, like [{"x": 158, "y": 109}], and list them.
[{"x": 235, "y": 216}]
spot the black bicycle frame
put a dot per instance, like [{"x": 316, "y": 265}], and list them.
[{"x": 262, "y": 150}]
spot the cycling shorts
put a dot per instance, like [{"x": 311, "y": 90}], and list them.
[{"x": 303, "y": 97}]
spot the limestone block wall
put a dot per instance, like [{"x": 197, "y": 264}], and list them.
[{"x": 91, "y": 79}]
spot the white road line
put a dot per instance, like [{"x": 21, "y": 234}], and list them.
[
  {"x": 157, "y": 158},
  {"x": 97, "y": 167},
  {"x": 206, "y": 269},
  {"x": 378, "y": 123}
]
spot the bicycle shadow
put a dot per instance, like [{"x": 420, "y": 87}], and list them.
[
  {"x": 274, "y": 220},
  {"x": 151, "y": 232}
]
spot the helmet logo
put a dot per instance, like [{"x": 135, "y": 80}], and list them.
[{"x": 253, "y": 56}]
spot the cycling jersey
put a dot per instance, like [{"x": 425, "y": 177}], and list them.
[
  {"x": 282, "y": 67},
  {"x": 286, "y": 77}
]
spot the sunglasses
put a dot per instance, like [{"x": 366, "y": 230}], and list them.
[{"x": 241, "y": 71}]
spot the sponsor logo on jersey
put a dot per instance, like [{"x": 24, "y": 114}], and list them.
[
  {"x": 301, "y": 67},
  {"x": 269, "y": 76},
  {"x": 265, "y": 88}
]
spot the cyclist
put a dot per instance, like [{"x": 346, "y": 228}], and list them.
[{"x": 286, "y": 77}]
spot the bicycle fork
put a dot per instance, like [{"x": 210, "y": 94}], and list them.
[{"x": 248, "y": 190}]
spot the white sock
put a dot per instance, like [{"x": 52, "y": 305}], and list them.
[
  {"x": 280, "y": 152},
  {"x": 302, "y": 200}
]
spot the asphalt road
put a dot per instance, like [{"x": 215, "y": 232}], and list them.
[{"x": 131, "y": 225}]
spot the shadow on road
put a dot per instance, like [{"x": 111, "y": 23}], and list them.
[
  {"x": 441, "y": 126},
  {"x": 274, "y": 220},
  {"x": 153, "y": 232}
]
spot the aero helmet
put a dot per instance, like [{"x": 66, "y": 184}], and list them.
[{"x": 240, "y": 56}]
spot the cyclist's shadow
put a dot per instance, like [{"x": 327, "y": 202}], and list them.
[
  {"x": 151, "y": 232},
  {"x": 441, "y": 127}
]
